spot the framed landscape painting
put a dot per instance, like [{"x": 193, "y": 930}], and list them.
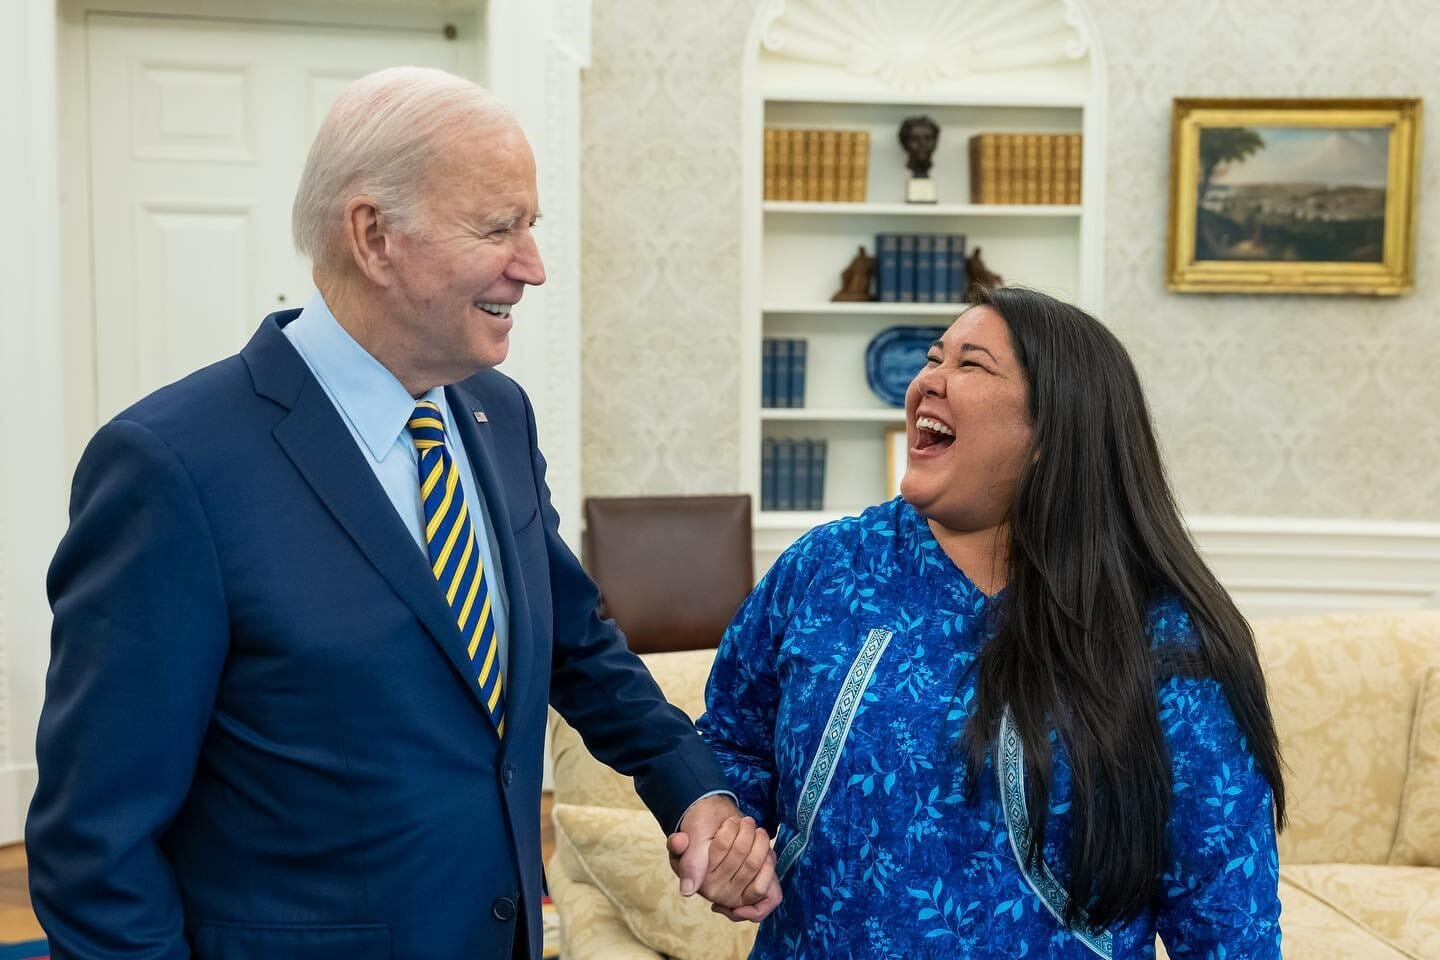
[{"x": 1293, "y": 196}]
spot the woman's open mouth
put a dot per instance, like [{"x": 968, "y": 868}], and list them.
[{"x": 932, "y": 435}]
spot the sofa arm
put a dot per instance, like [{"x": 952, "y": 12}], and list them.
[{"x": 590, "y": 926}]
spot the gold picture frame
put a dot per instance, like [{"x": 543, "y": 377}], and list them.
[
  {"x": 897, "y": 458},
  {"x": 1293, "y": 196}
]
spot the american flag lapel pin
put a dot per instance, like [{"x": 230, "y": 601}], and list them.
[{"x": 480, "y": 416}]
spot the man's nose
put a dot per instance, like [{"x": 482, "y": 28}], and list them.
[{"x": 527, "y": 266}]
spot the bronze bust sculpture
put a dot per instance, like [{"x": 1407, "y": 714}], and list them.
[{"x": 919, "y": 135}]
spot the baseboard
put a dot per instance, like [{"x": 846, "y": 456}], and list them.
[{"x": 1280, "y": 567}]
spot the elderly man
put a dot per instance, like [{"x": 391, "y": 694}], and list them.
[{"x": 312, "y": 604}]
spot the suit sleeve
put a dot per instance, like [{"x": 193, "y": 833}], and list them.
[
  {"x": 1220, "y": 895},
  {"x": 604, "y": 691},
  {"x": 137, "y": 646}
]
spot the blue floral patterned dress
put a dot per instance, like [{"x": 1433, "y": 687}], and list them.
[{"x": 835, "y": 702}]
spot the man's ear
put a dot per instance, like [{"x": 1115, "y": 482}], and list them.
[{"x": 369, "y": 238}]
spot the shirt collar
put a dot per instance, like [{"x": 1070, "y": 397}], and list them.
[{"x": 368, "y": 395}]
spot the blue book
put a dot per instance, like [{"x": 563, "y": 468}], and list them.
[
  {"x": 817, "y": 475},
  {"x": 940, "y": 274},
  {"x": 769, "y": 490},
  {"x": 767, "y": 372},
  {"x": 887, "y": 267},
  {"x": 782, "y": 372},
  {"x": 925, "y": 267},
  {"x": 802, "y": 475},
  {"x": 798, "y": 349},
  {"x": 959, "y": 276},
  {"x": 907, "y": 268},
  {"x": 785, "y": 470}
]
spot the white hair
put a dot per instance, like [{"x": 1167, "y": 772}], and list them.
[{"x": 379, "y": 139}]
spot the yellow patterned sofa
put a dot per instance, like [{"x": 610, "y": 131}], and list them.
[{"x": 1357, "y": 703}]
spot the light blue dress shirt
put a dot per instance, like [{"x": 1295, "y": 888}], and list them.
[{"x": 375, "y": 408}]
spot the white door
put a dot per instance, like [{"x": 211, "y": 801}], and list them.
[{"x": 198, "y": 131}]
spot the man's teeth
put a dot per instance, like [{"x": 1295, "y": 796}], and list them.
[
  {"x": 498, "y": 309},
  {"x": 933, "y": 425}
]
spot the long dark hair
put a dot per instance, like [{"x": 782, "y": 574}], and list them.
[{"x": 1095, "y": 538}]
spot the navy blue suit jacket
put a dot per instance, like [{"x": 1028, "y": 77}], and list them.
[{"x": 261, "y": 735}]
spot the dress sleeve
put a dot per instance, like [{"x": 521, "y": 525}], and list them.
[
  {"x": 743, "y": 694},
  {"x": 1219, "y": 897}
]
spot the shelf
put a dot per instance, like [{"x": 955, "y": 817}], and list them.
[
  {"x": 887, "y": 99},
  {"x": 834, "y": 414},
  {"x": 871, "y": 308},
  {"x": 1052, "y": 210}
]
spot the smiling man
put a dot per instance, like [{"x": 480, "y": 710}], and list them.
[{"x": 313, "y": 603}]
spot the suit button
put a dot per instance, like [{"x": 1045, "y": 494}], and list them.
[
  {"x": 507, "y": 773},
  {"x": 503, "y": 908}
]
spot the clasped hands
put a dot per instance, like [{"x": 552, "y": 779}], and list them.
[{"x": 726, "y": 858}]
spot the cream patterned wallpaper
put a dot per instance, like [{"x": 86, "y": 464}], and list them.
[{"x": 1267, "y": 406}]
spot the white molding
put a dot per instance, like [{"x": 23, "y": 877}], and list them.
[
  {"x": 34, "y": 479},
  {"x": 1274, "y": 566},
  {"x": 538, "y": 52}
]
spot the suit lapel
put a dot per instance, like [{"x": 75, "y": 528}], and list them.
[
  {"x": 479, "y": 443},
  {"x": 317, "y": 441}
]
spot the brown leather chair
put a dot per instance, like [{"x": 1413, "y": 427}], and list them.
[{"x": 672, "y": 570}]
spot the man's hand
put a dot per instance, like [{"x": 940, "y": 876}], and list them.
[{"x": 727, "y": 859}]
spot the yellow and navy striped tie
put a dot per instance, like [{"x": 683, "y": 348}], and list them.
[{"x": 454, "y": 558}]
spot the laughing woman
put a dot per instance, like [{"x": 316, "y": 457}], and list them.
[{"x": 1010, "y": 713}]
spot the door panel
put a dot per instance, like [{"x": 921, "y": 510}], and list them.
[{"x": 199, "y": 130}]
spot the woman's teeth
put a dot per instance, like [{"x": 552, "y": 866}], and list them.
[{"x": 934, "y": 426}]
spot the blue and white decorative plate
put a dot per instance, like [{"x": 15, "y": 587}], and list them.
[{"x": 893, "y": 358}]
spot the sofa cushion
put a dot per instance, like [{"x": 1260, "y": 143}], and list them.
[
  {"x": 622, "y": 854},
  {"x": 1396, "y": 903},
  {"x": 590, "y": 929},
  {"x": 580, "y": 778},
  {"x": 1342, "y": 689},
  {"x": 1417, "y": 838}
]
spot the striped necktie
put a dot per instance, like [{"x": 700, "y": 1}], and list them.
[{"x": 454, "y": 558}]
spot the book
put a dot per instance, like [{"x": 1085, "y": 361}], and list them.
[
  {"x": 924, "y": 267},
  {"x": 1030, "y": 168},
  {"x": 769, "y": 480},
  {"x": 816, "y": 499},
  {"x": 1045, "y": 191},
  {"x": 1074, "y": 167},
  {"x": 940, "y": 269},
  {"x": 800, "y": 478},
  {"x": 785, "y": 472},
  {"x": 887, "y": 267},
  {"x": 782, "y": 372},
  {"x": 829, "y": 149},
  {"x": 784, "y": 164},
  {"x": 906, "y": 272},
  {"x": 860, "y": 167},
  {"x": 798, "y": 349},
  {"x": 767, "y": 372},
  {"x": 768, "y": 192},
  {"x": 844, "y": 164},
  {"x": 959, "y": 276},
  {"x": 810, "y": 189}
]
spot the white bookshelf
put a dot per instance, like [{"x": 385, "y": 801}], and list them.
[
  {"x": 922, "y": 209},
  {"x": 793, "y": 252}
]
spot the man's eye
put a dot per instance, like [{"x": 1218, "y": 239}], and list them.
[{"x": 932, "y": 359}]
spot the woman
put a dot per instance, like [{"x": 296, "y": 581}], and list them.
[{"x": 1010, "y": 713}]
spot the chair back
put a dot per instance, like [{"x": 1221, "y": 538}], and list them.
[{"x": 672, "y": 570}]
